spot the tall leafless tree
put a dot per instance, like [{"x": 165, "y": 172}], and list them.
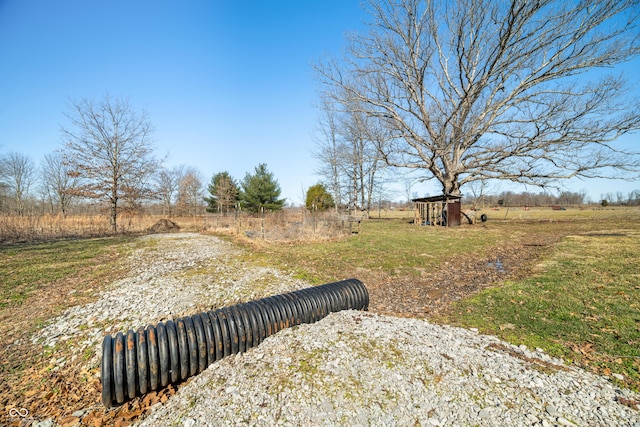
[
  {"x": 360, "y": 159},
  {"x": 167, "y": 182},
  {"x": 17, "y": 175},
  {"x": 58, "y": 181},
  {"x": 327, "y": 150},
  {"x": 347, "y": 148},
  {"x": 108, "y": 145},
  {"x": 482, "y": 89},
  {"x": 190, "y": 192}
]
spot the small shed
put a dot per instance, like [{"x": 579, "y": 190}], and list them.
[{"x": 438, "y": 210}]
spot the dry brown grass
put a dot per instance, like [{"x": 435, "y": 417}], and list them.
[
  {"x": 290, "y": 225},
  {"x": 30, "y": 228},
  {"x": 287, "y": 226}
]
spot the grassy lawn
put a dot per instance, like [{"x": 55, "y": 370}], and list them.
[
  {"x": 583, "y": 305},
  {"x": 37, "y": 282},
  {"x": 397, "y": 248},
  {"x": 391, "y": 246},
  {"x": 581, "y": 302},
  {"x": 26, "y": 268}
]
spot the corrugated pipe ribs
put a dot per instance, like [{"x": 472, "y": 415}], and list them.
[{"x": 137, "y": 362}]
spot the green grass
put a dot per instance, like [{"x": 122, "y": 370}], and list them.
[
  {"x": 391, "y": 246},
  {"x": 27, "y": 267},
  {"x": 582, "y": 302},
  {"x": 583, "y": 306}
]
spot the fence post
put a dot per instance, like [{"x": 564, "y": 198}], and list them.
[{"x": 313, "y": 217}]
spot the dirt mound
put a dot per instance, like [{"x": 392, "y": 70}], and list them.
[{"x": 164, "y": 226}]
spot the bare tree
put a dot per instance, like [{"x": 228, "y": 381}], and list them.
[
  {"x": 108, "y": 145},
  {"x": 347, "y": 147},
  {"x": 327, "y": 150},
  {"x": 58, "y": 181},
  {"x": 481, "y": 89},
  {"x": 17, "y": 175},
  {"x": 190, "y": 191},
  {"x": 359, "y": 156},
  {"x": 167, "y": 183},
  {"x": 633, "y": 199}
]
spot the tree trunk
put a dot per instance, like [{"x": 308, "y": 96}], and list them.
[
  {"x": 113, "y": 217},
  {"x": 450, "y": 186}
]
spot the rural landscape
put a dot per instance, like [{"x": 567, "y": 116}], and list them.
[
  {"x": 466, "y": 281},
  {"x": 564, "y": 281}
]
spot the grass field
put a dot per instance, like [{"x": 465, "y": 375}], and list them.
[
  {"x": 26, "y": 268},
  {"x": 40, "y": 280},
  {"x": 583, "y": 304}
]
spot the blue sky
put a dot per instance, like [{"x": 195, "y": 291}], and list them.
[{"x": 227, "y": 84}]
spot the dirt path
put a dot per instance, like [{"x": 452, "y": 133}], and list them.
[{"x": 458, "y": 278}]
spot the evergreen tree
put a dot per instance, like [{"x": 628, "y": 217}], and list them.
[
  {"x": 224, "y": 193},
  {"x": 319, "y": 198},
  {"x": 260, "y": 190}
]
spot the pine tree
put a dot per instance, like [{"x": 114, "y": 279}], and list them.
[{"x": 260, "y": 190}]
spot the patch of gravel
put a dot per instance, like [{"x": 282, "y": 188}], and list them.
[
  {"x": 171, "y": 275},
  {"x": 351, "y": 368}
]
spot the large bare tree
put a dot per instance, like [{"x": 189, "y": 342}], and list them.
[
  {"x": 484, "y": 89},
  {"x": 347, "y": 147},
  {"x": 108, "y": 145}
]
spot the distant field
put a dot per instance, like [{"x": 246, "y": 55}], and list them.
[
  {"x": 519, "y": 212},
  {"x": 570, "y": 213}
]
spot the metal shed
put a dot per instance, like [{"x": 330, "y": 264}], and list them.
[{"x": 438, "y": 210}]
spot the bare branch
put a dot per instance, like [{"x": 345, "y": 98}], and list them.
[
  {"x": 108, "y": 145},
  {"x": 478, "y": 89}
]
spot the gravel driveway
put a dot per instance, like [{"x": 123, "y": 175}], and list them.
[{"x": 351, "y": 368}]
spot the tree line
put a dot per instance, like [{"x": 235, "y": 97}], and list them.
[
  {"x": 107, "y": 159},
  {"x": 564, "y": 198}
]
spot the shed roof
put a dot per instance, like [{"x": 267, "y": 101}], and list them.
[{"x": 441, "y": 198}]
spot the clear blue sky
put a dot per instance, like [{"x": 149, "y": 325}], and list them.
[{"x": 227, "y": 84}]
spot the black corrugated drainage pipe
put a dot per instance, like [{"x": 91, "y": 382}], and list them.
[{"x": 137, "y": 362}]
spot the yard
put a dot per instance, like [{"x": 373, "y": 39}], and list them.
[{"x": 565, "y": 281}]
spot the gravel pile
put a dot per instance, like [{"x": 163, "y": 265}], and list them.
[
  {"x": 360, "y": 369},
  {"x": 351, "y": 368}
]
